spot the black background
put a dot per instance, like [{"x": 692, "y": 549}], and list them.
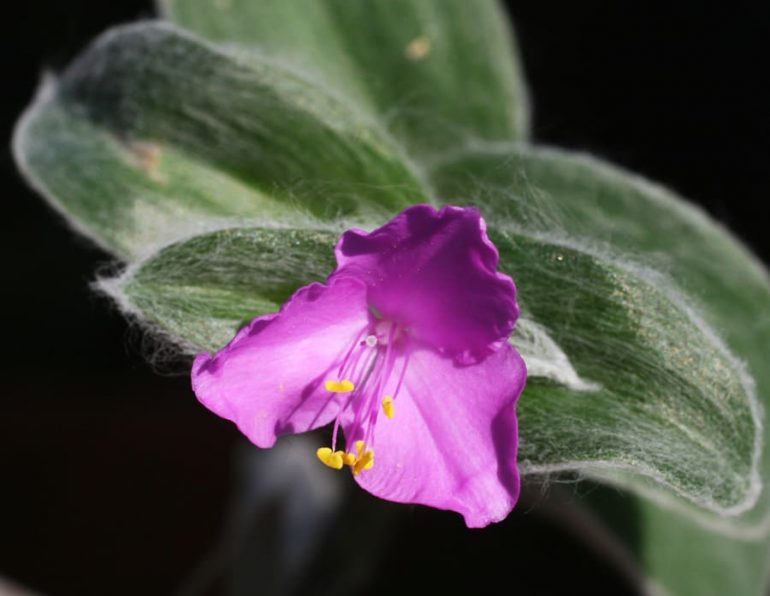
[{"x": 113, "y": 479}]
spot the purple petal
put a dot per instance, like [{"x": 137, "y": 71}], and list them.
[
  {"x": 436, "y": 273},
  {"x": 269, "y": 380},
  {"x": 452, "y": 442}
]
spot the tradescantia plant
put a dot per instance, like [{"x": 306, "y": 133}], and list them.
[{"x": 220, "y": 152}]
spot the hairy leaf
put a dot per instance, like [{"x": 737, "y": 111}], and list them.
[
  {"x": 153, "y": 134},
  {"x": 201, "y": 291},
  {"x": 436, "y": 72}
]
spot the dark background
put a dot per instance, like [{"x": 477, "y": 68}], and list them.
[{"x": 114, "y": 480}]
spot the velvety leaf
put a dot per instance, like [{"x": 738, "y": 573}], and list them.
[
  {"x": 153, "y": 134},
  {"x": 202, "y": 291},
  {"x": 436, "y": 72},
  {"x": 650, "y": 366},
  {"x": 544, "y": 357},
  {"x": 659, "y": 373},
  {"x": 555, "y": 194}
]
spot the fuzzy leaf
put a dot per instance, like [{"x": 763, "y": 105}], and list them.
[
  {"x": 202, "y": 291},
  {"x": 657, "y": 369},
  {"x": 153, "y": 134},
  {"x": 437, "y": 72},
  {"x": 544, "y": 357},
  {"x": 559, "y": 195},
  {"x": 653, "y": 368}
]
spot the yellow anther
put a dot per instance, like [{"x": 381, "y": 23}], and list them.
[
  {"x": 338, "y": 459},
  {"x": 323, "y": 453},
  {"x": 349, "y": 459},
  {"x": 365, "y": 462},
  {"x": 343, "y": 386},
  {"x": 333, "y": 459},
  {"x": 387, "y": 407},
  {"x": 359, "y": 447}
]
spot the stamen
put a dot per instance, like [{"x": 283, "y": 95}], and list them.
[
  {"x": 343, "y": 386},
  {"x": 365, "y": 462},
  {"x": 365, "y": 375},
  {"x": 333, "y": 459},
  {"x": 382, "y": 379},
  {"x": 388, "y": 408},
  {"x": 373, "y": 369},
  {"x": 346, "y": 359},
  {"x": 369, "y": 364}
]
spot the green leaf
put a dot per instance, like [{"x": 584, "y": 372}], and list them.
[
  {"x": 556, "y": 194},
  {"x": 655, "y": 370},
  {"x": 658, "y": 369},
  {"x": 437, "y": 72},
  {"x": 544, "y": 357},
  {"x": 152, "y": 135},
  {"x": 203, "y": 290}
]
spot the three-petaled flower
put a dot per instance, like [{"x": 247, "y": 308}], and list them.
[{"x": 405, "y": 349}]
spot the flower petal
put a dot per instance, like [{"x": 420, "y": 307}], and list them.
[
  {"x": 452, "y": 441},
  {"x": 270, "y": 378},
  {"x": 436, "y": 273}
]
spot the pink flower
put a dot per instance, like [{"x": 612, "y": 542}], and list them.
[{"x": 405, "y": 349}]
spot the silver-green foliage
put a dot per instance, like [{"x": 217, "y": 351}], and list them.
[
  {"x": 426, "y": 68},
  {"x": 221, "y": 172},
  {"x": 168, "y": 133}
]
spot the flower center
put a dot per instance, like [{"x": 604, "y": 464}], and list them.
[{"x": 366, "y": 382}]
